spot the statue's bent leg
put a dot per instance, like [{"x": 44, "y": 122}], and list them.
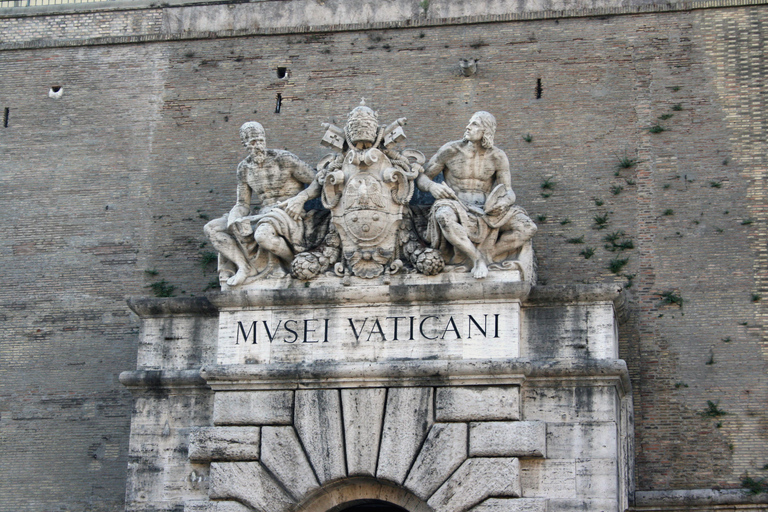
[
  {"x": 222, "y": 241},
  {"x": 268, "y": 239},
  {"x": 514, "y": 234},
  {"x": 457, "y": 235}
]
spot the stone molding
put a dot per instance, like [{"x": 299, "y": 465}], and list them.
[
  {"x": 698, "y": 499},
  {"x": 210, "y": 305},
  {"x": 147, "y": 307},
  {"x": 409, "y": 373},
  {"x": 449, "y": 288},
  {"x": 372, "y": 375},
  {"x": 138, "y": 381}
]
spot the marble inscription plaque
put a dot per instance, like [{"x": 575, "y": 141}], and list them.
[{"x": 370, "y": 333}]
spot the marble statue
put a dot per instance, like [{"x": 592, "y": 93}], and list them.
[
  {"x": 474, "y": 217},
  {"x": 263, "y": 244},
  {"x": 367, "y": 185}
]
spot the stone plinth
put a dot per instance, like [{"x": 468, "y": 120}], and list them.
[
  {"x": 541, "y": 422},
  {"x": 453, "y": 316}
]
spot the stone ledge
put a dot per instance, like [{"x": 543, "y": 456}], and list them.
[
  {"x": 411, "y": 373},
  {"x": 389, "y": 374},
  {"x": 705, "y": 499},
  {"x": 461, "y": 289},
  {"x": 582, "y": 370},
  {"x": 366, "y": 374},
  {"x": 147, "y": 307},
  {"x": 443, "y": 288},
  {"x": 149, "y": 380},
  {"x": 579, "y": 293}
]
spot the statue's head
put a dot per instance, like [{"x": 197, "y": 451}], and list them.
[
  {"x": 481, "y": 127},
  {"x": 253, "y": 136},
  {"x": 362, "y": 124}
]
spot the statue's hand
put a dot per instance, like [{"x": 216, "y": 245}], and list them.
[
  {"x": 294, "y": 207},
  {"x": 241, "y": 227},
  {"x": 442, "y": 191}
]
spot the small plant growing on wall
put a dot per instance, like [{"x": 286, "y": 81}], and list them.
[
  {"x": 713, "y": 410},
  {"x": 754, "y": 486},
  {"x": 625, "y": 162},
  {"x": 163, "y": 289},
  {"x": 206, "y": 258},
  {"x": 601, "y": 221},
  {"x": 616, "y": 264},
  {"x": 671, "y": 298},
  {"x": 587, "y": 252}
]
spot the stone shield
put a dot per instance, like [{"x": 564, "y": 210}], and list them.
[{"x": 367, "y": 212}]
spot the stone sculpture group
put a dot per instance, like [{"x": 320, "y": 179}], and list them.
[{"x": 367, "y": 228}]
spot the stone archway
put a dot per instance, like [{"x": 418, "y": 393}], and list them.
[
  {"x": 362, "y": 494},
  {"x": 420, "y": 448}
]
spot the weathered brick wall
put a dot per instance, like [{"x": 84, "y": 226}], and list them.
[{"x": 117, "y": 177}]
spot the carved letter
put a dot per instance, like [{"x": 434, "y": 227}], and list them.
[
  {"x": 379, "y": 330},
  {"x": 269, "y": 334},
  {"x": 241, "y": 329},
  {"x": 396, "y": 318},
  {"x": 421, "y": 327},
  {"x": 455, "y": 329},
  {"x": 326, "y": 331},
  {"x": 295, "y": 334},
  {"x": 496, "y": 319},
  {"x": 481, "y": 329},
  {"x": 308, "y": 330},
  {"x": 354, "y": 330}
]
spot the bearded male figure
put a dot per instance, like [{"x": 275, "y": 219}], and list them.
[
  {"x": 474, "y": 216},
  {"x": 263, "y": 244}
]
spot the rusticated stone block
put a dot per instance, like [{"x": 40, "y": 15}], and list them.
[
  {"x": 363, "y": 414},
  {"x": 512, "y": 505},
  {"x": 444, "y": 450},
  {"x": 477, "y": 403},
  {"x": 406, "y": 422},
  {"x": 253, "y": 408},
  {"x": 249, "y": 483},
  {"x": 545, "y": 478},
  {"x": 508, "y": 439},
  {"x": 582, "y": 440},
  {"x": 318, "y": 423},
  {"x": 224, "y": 443},
  {"x": 476, "y": 480},
  {"x": 283, "y": 455},
  {"x": 215, "y": 506}
]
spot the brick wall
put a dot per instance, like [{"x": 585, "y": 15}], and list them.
[{"x": 108, "y": 187}]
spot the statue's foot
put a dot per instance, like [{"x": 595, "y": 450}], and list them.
[
  {"x": 238, "y": 278},
  {"x": 480, "y": 270}
]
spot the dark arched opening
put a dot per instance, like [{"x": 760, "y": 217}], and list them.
[{"x": 368, "y": 506}]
